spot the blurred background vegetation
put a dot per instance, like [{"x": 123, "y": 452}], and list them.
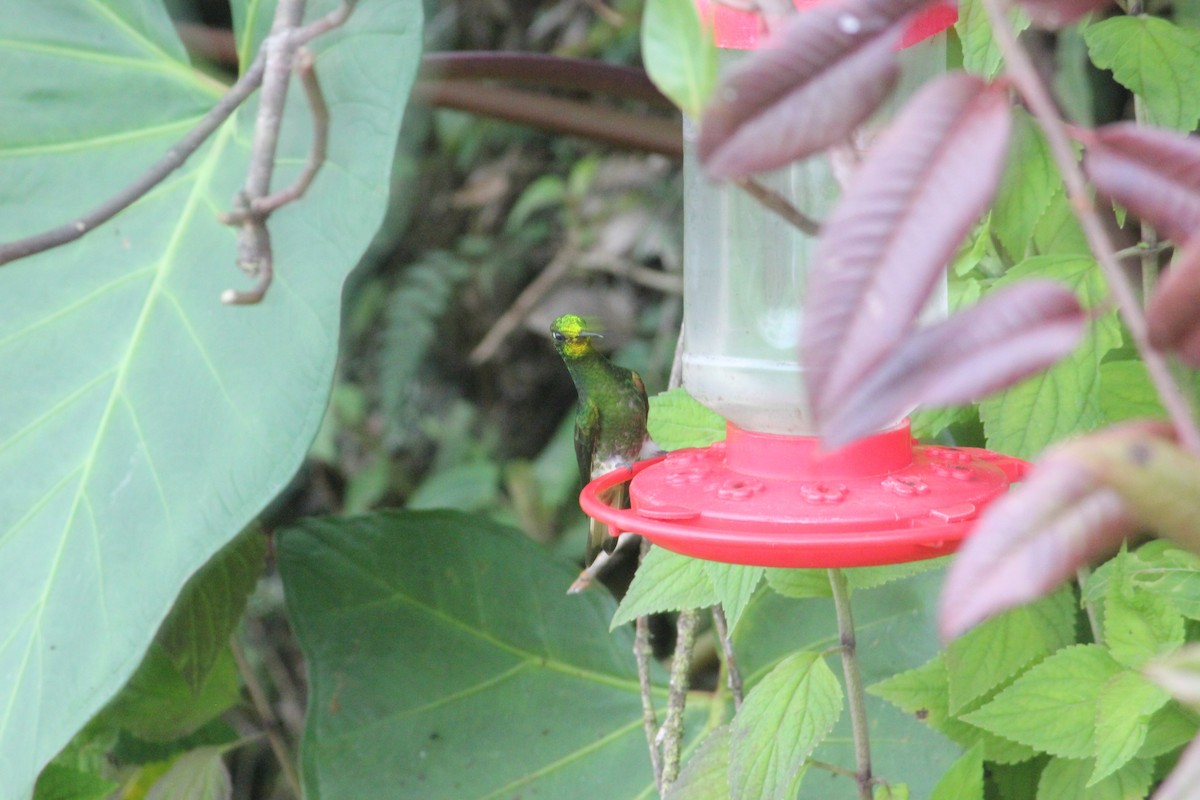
[{"x": 448, "y": 392}]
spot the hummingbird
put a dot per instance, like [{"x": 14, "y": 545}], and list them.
[{"x": 610, "y": 428}]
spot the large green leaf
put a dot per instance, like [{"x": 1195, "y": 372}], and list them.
[
  {"x": 142, "y": 423},
  {"x": 445, "y": 661}
]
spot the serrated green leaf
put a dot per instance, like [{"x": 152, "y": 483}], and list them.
[
  {"x": 705, "y": 776},
  {"x": 677, "y": 420},
  {"x": 1155, "y": 59},
  {"x": 1067, "y": 779},
  {"x": 804, "y": 583},
  {"x": 924, "y": 692},
  {"x": 446, "y": 662},
  {"x": 998, "y": 649},
  {"x": 871, "y": 577},
  {"x": 895, "y": 631},
  {"x": 152, "y": 423},
  {"x": 1127, "y": 704},
  {"x": 65, "y": 783},
  {"x": 1030, "y": 183},
  {"x": 1053, "y": 706},
  {"x": 1064, "y": 400},
  {"x": 799, "y": 583},
  {"x": 927, "y": 423},
  {"x": 964, "y": 780},
  {"x": 981, "y": 54},
  {"x": 196, "y": 775},
  {"x": 198, "y": 629},
  {"x": 1138, "y": 625},
  {"x": 1169, "y": 572},
  {"x": 679, "y": 53},
  {"x": 665, "y": 581},
  {"x": 784, "y": 717},
  {"x": 1127, "y": 393},
  {"x": 158, "y": 704},
  {"x": 1058, "y": 231},
  {"x": 1169, "y": 729},
  {"x": 734, "y": 585}
]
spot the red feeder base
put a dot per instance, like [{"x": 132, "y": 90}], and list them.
[{"x": 779, "y": 501}]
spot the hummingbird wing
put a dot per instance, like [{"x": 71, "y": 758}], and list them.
[{"x": 587, "y": 434}]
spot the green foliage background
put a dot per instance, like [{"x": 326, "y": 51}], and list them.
[{"x": 143, "y": 426}]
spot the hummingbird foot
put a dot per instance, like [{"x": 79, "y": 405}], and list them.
[{"x": 588, "y": 575}]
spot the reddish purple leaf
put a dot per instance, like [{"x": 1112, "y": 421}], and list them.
[
  {"x": 1008, "y": 336},
  {"x": 1172, "y": 314},
  {"x": 1030, "y": 541},
  {"x": 1077, "y": 503},
  {"x": 1184, "y": 778},
  {"x": 923, "y": 184},
  {"x": 810, "y": 87},
  {"x": 1054, "y": 14},
  {"x": 1153, "y": 173}
]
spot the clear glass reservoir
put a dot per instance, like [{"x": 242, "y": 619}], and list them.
[{"x": 744, "y": 277}]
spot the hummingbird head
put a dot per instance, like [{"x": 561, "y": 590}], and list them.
[{"x": 572, "y": 338}]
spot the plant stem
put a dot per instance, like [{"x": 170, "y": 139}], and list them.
[
  {"x": 539, "y": 287},
  {"x": 1149, "y": 237},
  {"x": 681, "y": 666},
  {"x": 266, "y": 716},
  {"x": 855, "y": 696},
  {"x": 834, "y": 768},
  {"x": 776, "y": 202},
  {"x": 1081, "y": 576},
  {"x": 731, "y": 665},
  {"x": 641, "y": 653},
  {"x": 1024, "y": 76}
]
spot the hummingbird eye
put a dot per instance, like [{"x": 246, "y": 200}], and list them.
[{"x": 558, "y": 337}]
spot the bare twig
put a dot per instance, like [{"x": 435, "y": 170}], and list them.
[
  {"x": 1141, "y": 249},
  {"x": 251, "y": 213},
  {"x": 538, "y": 288},
  {"x": 855, "y": 696},
  {"x": 776, "y": 202},
  {"x": 731, "y": 665},
  {"x": 681, "y": 667},
  {"x": 641, "y": 653},
  {"x": 254, "y": 203},
  {"x": 320, "y": 144},
  {"x": 334, "y": 19},
  {"x": 254, "y": 240},
  {"x": 665, "y": 282},
  {"x": 266, "y": 715},
  {"x": 1024, "y": 76},
  {"x": 834, "y": 768},
  {"x": 171, "y": 161}
]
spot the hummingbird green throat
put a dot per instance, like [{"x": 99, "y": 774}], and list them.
[{"x": 610, "y": 426}]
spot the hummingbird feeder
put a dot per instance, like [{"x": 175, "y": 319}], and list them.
[{"x": 769, "y": 495}]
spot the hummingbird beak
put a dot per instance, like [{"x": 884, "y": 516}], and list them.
[{"x": 591, "y": 335}]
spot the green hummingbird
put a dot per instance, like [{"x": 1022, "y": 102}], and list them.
[{"x": 610, "y": 427}]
